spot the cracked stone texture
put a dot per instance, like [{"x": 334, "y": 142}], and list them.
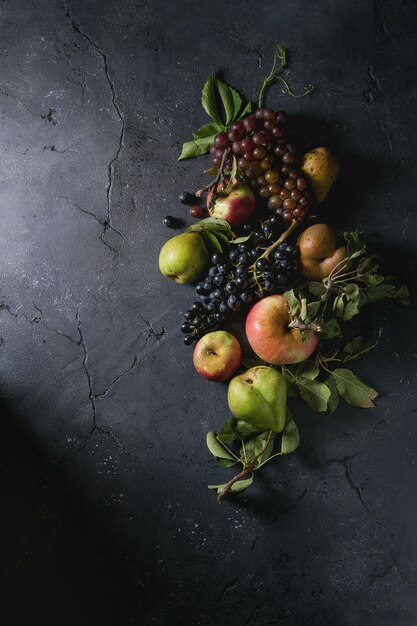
[{"x": 104, "y": 466}]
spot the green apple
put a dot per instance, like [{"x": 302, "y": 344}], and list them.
[
  {"x": 259, "y": 397},
  {"x": 184, "y": 257}
]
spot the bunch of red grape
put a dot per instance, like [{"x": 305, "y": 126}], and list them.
[{"x": 269, "y": 161}]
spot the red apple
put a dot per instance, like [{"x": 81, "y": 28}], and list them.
[
  {"x": 217, "y": 355},
  {"x": 270, "y": 337},
  {"x": 235, "y": 205}
]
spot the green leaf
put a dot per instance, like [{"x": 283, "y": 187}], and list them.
[
  {"x": 372, "y": 280},
  {"x": 212, "y": 241},
  {"x": 226, "y": 462},
  {"x": 196, "y": 147},
  {"x": 334, "y": 395},
  {"x": 316, "y": 288},
  {"x": 403, "y": 295},
  {"x": 355, "y": 244},
  {"x": 210, "y": 223},
  {"x": 353, "y": 390},
  {"x": 244, "y": 429},
  {"x": 246, "y": 111},
  {"x": 308, "y": 370},
  {"x": 359, "y": 346},
  {"x": 216, "y": 448},
  {"x": 231, "y": 101},
  {"x": 351, "y": 291},
  {"x": 208, "y": 130},
  {"x": 240, "y": 485},
  {"x": 338, "y": 305},
  {"x": 290, "y": 437},
  {"x": 315, "y": 394},
  {"x": 227, "y": 432},
  {"x": 242, "y": 239},
  {"x": 331, "y": 329},
  {"x": 208, "y": 99},
  {"x": 254, "y": 445},
  {"x": 351, "y": 309},
  {"x": 293, "y": 302},
  {"x": 303, "y": 311},
  {"x": 312, "y": 310}
]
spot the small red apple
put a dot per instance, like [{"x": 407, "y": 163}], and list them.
[
  {"x": 270, "y": 337},
  {"x": 235, "y": 205},
  {"x": 217, "y": 355}
]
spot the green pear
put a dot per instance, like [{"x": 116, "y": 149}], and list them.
[
  {"x": 184, "y": 257},
  {"x": 259, "y": 397}
]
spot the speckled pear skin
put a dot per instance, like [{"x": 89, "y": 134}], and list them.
[{"x": 259, "y": 397}]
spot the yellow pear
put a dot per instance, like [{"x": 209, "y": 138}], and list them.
[{"x": 321, "y": 169}]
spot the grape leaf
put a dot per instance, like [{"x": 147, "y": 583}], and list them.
[
  {"x": 208, "y": 130},
  {"x": 196, "y": 147},
  {"x": 208, "y": 99},
  {"x": 216, "y": 448},
  {"x": 315, "y": 394},
  {"x": 246, "y": 111},
  {"x": 353, "y": 390},
  {"x": 231, "y": 101}
]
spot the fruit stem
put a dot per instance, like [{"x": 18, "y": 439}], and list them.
[
  {"x": 299, "y": 324},
  {"x": 218, "y": 178},
  {"x": 245, "y": 471},
  {"x": 276, "y": 243}
]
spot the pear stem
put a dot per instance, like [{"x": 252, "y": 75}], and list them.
[{"x": 246, "y": 470}]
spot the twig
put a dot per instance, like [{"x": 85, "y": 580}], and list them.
[
  {"x": 219, "y": 178},
  {"x": 276, "y": 243},
  {"x": 247, "y": 470}
]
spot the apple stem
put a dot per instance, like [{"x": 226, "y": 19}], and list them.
[
  {"x": 276, "y": 243},
  {"x": 245, "y": 471},
  {"x": 218, "y": 178},
  {"x": 297, "y": 323}
]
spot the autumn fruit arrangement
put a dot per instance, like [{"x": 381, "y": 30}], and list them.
[{"x": 259, "y": 254}]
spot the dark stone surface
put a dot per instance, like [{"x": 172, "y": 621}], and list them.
[{"x": 104, "y": 468}]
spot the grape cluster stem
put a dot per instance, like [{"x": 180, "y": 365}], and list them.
[
  {"x": 219, "y": 178},
  {"x": 276, "y": 243}
]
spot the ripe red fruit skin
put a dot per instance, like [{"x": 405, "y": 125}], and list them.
[
  {"x": 217, "y": 356},
  {"x": 270, "y": 337},
  {"x": 236, "y": 206}
]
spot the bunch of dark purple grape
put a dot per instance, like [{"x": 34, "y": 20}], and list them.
[
  {"x": 269, "y": 161},
  {"x": 239, "y": 277}
]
